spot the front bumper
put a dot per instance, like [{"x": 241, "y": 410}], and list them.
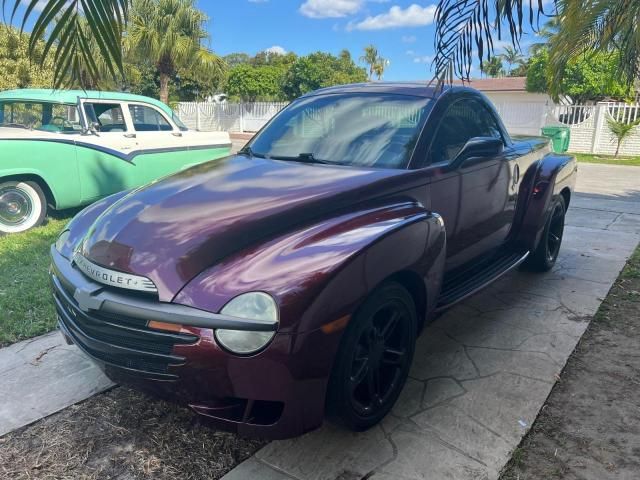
[{"x": 277, "y": 393}]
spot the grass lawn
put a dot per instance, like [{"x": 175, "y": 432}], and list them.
[
  {"x": 607, "y": 159},
  {"x": 26, "y": 308}
]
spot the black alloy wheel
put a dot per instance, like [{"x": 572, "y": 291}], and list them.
[{"x": 374, "y": 358}]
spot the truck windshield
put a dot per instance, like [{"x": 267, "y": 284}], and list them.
[
  {"x": 52, "y": 117},
  {"x": 363, "y": 130}
]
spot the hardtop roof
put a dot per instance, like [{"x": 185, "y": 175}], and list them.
[{"x": 71, "y": 96}]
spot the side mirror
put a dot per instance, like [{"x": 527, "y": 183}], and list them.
[
  {"x": 481, "y": 147},
  {"x": 94, "y": 127}
]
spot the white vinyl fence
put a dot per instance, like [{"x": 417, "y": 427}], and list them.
[
  {"x": 588, "y": 123},
  {"x": 230, "y": 117}
]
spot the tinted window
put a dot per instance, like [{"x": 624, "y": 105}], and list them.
[
  {"x": 465, "y": 119},
  {"x": 107, "y": 116},
  {"x": 365, "y": 130},
  {"x": 147, "y": 119}
]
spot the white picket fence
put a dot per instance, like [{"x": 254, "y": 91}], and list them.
[{"x": 588, "y": 123}]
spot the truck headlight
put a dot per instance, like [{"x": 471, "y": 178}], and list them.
[
  {"x": 252, "y": 306},
  {"x": 62, "y": 239}
]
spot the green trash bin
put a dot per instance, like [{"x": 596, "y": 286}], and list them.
[{"x": 559, "y": 135}]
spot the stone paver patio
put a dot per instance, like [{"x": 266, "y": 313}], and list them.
[{"x": 483, "y": 370}]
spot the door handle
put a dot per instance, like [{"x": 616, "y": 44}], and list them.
[
  {"x": 516, "y": 175},
  {"x": 176, "y": 134},
  {"x": 130, "y": 135}
]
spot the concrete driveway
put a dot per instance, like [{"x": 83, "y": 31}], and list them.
[{"x": 483, "y": 370}]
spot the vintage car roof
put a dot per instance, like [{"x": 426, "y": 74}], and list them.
[
  {"x": 71, "y": 96},
  {"x": 417, "y": 89}
]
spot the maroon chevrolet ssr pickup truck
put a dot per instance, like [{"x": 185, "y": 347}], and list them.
[{"x": 290, "y": 281}]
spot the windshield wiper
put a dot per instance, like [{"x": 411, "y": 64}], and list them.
[{"x": 302, "y": 157}]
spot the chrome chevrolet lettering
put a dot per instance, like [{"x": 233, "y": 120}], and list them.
[{"x": 112, "y": 277}]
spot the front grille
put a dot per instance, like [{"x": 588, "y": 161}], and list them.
[{"x": 124, "y": 342}]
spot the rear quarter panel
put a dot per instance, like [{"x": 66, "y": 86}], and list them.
[{"x": 53, "y": 162}]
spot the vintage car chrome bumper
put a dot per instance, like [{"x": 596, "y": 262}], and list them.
[{"x": 258, "y": 395}]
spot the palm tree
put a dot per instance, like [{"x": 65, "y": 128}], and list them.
[
  {"x": 370, "y": 58},
  {"x": 169, "y": 34},
  {"x": 492, "y": 67},
  {"x": 465, "y": 30},
  {"x": 512, "y": 57},
  {"x": 379, "y": 67},
  {"x": 546, "y": 33},
  {"x": 621, "y": 129}
]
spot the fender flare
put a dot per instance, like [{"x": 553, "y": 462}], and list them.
[
  {"x": 319, "y": 274},
  {"x": 545, "y": 180}
]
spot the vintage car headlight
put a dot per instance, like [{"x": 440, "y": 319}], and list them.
[
  {"x": 252, "y": 306},
  {"x": 62, "y": 239}
]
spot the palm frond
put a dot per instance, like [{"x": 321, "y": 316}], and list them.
[
  {"x": 465, "y": 29},
  {"x": 72, "y": 37}
]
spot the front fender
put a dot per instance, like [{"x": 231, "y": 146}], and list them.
[
  {"x": 80, "y": 224},
  {"x": 546, "y": 179},
  {"x": 321, "y": 273}
]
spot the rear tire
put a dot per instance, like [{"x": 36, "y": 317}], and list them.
[
  {"x": 544, "y": 257},
  {"x": 374, "y": 358},
  {"x": 23, "y": 206}
]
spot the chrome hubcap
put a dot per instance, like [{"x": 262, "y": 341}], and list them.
[{"x": 15, "y": 206}]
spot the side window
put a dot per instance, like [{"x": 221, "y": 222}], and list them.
[
  {"x": 108, "y": 116},
  {"x": 147, "y": 119},
  {"x": 464, "y": 120}
]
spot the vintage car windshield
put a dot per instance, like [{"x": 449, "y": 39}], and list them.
[
  {"x": 179, "y": 123},
  {"x": 51, "y": 117},
  {"x": 363, "y": 130}
]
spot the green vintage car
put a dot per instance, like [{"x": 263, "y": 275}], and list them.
[{"x": 64, "y": 149}]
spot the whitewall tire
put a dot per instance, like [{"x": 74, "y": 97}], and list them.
[{"x": 23, "y": 206}]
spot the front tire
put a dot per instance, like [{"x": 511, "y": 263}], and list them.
[
  {"x": 374, "y": 358},
  {"x": 23, "y": 206},
  {"x": 544, "y": 257}
]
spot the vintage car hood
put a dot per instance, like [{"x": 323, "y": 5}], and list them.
[{"x": 171, "y": 230}]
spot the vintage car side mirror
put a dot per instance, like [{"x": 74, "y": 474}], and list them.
[{"x": 481, "y": 147}]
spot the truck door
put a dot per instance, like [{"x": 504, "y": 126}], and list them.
[{"x": 473, "y": 194}]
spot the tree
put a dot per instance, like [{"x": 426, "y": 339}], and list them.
[
  {"x": 465, "y": 30},
  {"x": 250, "y": 83},
  {"x": 319, "y": 70},
  {"x": 169, "y": 34},
  {"x": 370, "y": 58},
  {"x": 621, "y": 129},
  {"x": 379, "y": 67},
  {"x": 234, "y": 59},
  {"x": 586, "y": 78},
  {"x": 493, "y": 67},
  {"x": 18, "y": 69},
  {"x": 512, "y": 57}
]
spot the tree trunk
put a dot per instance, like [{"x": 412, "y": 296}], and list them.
[
  {"x": 617, "y": 149},
  {"x": 164, "y": 88}
]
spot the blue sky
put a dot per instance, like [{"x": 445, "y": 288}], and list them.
[{"x": 402, "y": 30}]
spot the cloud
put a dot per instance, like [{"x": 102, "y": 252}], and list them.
[
  {"x": 412, "y": 16},
  {"x": 276, "y": 49},
  {"x": 330, "y": 8},
  {"x": 409, "y": 38},
  {"x": 411, "y": 53},
  {"x": 423, "y": 59}
]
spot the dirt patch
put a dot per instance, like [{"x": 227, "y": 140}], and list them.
[
  {"x": 122, "y": 434},
  {"x": 590, "y": 426}
]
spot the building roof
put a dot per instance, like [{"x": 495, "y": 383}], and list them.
[
  {"x": 503, "y": 84},
  {"x": 71, "y": 96}
]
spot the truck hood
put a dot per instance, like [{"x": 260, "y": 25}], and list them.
[{"x": 173, "y": 229}]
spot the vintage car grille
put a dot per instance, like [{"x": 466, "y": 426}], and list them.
[{"x": 124, "y": 342}]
